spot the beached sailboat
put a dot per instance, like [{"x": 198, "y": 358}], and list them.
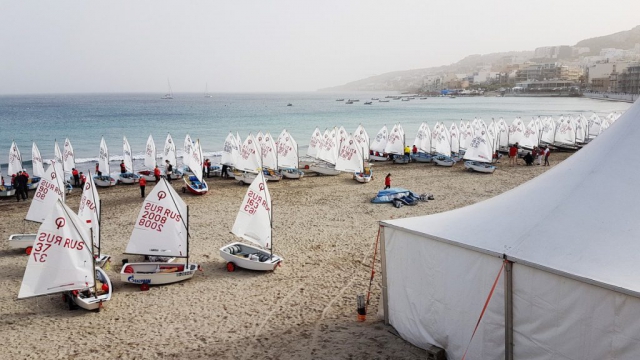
[
  {"x": 269, "y": 154},
  {"x": 351, "y": 159},
  {"x": 169, "y": 95},
  {"x": 50, "y": 189},
  {"x": 105, "y": 179},
  {"x": 195, "y": 183},
  {"x": 422, "y": 142},
  {"x": 6, "y": 190},
  {"x": 248, "y": 161},
  {"x": 327, "y": 154},
  {"x": 378, "y": 145},
  {"x": 38, "y": 167},
  {"x": 162, "y": 230},
  {"x": 315, "y": 144},
  {"x": 149, "y": 161},
  {"x": 68, "y": 159},
  {"x": 229, "y": 151},
  {"x": 187, "y": 150},
  {"x": 396, "y": 144},
  {"x": 441, "y": 140},
  {"x": 169, "y": 154},
  {"x": 57, "y": 266},
  {"x": 254, "y": 223},
  {"x": 288, "y": 159},
  {"x": 479, "y": 153},
  {"x": 14, "y": 165},
  {"x": 128, "y": 177},
  {"x": 90, "y": 212}
]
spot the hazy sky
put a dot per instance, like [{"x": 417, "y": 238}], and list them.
[{"x": 255, "y": 46}]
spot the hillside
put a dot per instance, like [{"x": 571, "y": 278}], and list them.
[{"x": 621, "y": 40}]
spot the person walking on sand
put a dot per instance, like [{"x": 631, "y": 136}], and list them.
[
  {"x": 387, "y": 181},
  {"x": 143, "y": 184},
  {"x": 156, "y": 173},
  {"x": 546, "y": 156}
]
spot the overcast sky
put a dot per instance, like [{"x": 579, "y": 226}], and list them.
[{"x": 264, "y": 46}]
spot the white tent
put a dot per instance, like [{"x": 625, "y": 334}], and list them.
[{"x": 569, "y": 288}]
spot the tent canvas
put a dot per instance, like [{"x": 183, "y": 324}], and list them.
[{"x": 574, "y": 258}]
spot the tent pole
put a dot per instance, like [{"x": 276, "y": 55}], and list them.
[
  {"x": 508, "y": 310},
  {"x": 383, "y": 268}
]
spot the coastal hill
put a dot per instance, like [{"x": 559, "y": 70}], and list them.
[{"x": 409, "y": 80}]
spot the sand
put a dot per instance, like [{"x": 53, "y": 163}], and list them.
[{"x": 324, "y": 227}]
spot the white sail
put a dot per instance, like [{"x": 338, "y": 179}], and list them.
[
  {"x": 350, "y": 156},
  {"x": 68, "y": 157},
  {"x": 57, "y": 154},
  {"x": 126, "y": 154},
  {"x": 529, "y": 138},
  {"x": 395, "y": 142},
  {"x": 196, "y": 162},
  {"x": 315, "y": 143},
  {"x": 150, "y": 154},
  {"x": 479, "y": 148},
  {"x": 455, "y": 138},
  {"x": 565, "y": 132},
  {"x": 161, "y": 226},
  {"x": 187, "y": 150},
  {"x": 103, "y": 158},
  {"x": 594, "y": 125},
  {"x": 15, "y": 159},
  {"x": 269, "y": 152},
  {"x": 253, "y": 222},
  {"x": 342, "y": 135},
  {"x": 249, "y": 156},
  {"x": 502, "y": 133},
  {"x": 362, "y": 138},
  {"x": 169, "y": 152},
  {"x": 425, "y": 143},
  {"x": 516, "y": 131},
  {"x": 60, "y": 260},
  {"x": 581, "y": 130},
  {"x": 229, "y": 151},
  {"x": 440, "y": 141},
  {"x": 380, "y": 142},
  {"x": 36, "y": 161},
  {"x": 548, "y": 131},
  {"x": 89, "y": 210},
  {"x": 287, "y": 152},
  {"x": 50, "y": 189},
  {"x": 422, "y": 132},
  {"x": 329, "y": 150}
]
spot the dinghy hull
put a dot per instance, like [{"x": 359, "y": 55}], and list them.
[
  {"x": 236, "y": 253},
  {"x": 147, "y": 175},
  {"x": 156, "y": 273},
  {"x": 292, "y": 173},
  {"x": 246, "y": 177},
  {"x": 324, "y": 170},
  {"x": 89, "y": 301},
  {"x": 33, "y": 183},
  {"x": 128, "y": 178},
  {"x": 479, "y": 167},
  {"x": 104, "y": 181},
  {"x": 444, "y": 161},
  {"x": 21, "y": 241},
  {"x": 194, "y": 186}
]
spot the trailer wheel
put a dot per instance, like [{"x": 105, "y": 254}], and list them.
[
  {"x": 28, "y": 250},
  {"x": 231, "y": 267},
  {"x": 144, "y": 287}
]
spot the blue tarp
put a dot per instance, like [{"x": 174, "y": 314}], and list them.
[{"x": 388, "y": 195}]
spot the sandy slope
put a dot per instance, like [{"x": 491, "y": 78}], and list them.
[{"x": 325, "y": 228}]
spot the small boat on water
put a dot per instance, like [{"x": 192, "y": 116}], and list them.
[
  {"x": 375, "y": 99},
  {"x": 367, "y": 103},
  {"x": 423, "y": 98},
  {"x": 195, "y": 183},
  {"x": 339, "y": 99},
  {"x": 164, "y": 214},
  {"x": 383, "y": 101},
  {"x": 349, "y": 102},
  {"x": 206, "y": 91},
  {"x": 253, "y": 223},
  {"x": 405, "y": 99},
  {"x": 68, "y": 269},
  {"x": 354, "y": 100},
  {"x": 104, "y": 180},
  {"x": 169, "y": 95}
]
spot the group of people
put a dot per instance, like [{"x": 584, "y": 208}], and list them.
[
  {"x": 538, "y": 153},
  {"x": 20, "y": 182}
]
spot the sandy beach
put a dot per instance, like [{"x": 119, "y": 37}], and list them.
[{"x": 324, "y": 228}]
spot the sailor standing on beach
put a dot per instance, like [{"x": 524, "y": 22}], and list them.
[
  {"x": 143, "y": 184},
  {"x": 168, "y": 170},
  {"x": 387, "y": 181}
]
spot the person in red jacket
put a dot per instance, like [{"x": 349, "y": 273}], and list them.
[
  {"x": 76, "y": 177},
  {"x": 387, "y": 181},
  {"x": 83, "y": 179},
  {"x": 156, "y": 173},
  {"x": 143, "y": 184}
]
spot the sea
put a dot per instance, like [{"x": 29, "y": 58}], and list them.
[{"x": 85, "y": 118}]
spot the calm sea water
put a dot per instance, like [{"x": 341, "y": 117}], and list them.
[{"x": 85, "y": 118}]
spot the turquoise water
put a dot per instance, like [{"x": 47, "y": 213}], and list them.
[{"x": 85, "y": 118}]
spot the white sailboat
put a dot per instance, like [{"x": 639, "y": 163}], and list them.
[
  {"x": 127, "y": 177},
  {"x": 253, "y": 223},
  {"x": 351, "y": 159},
  {"x": 104, "y": 179},
  {"x": 422, "y": 140},
  {"x": 38, "y": 167},
  {"x": 14, "y": 165},
  {"x": 269, "y": 154},
  {"x": 315, "y": 144},
  {"x": 161, "y": 229},
  {"x": 57, "y": 266},
  {"x": 396, "y": 144},
  {"x": 379, "y": 144},
  {"x": 169, "y": 154},
  {"x": 248, "y": 161},
  {"x": 50, "y": 189},
  {"x": 89, "y": 212},
  {"x": 149, "y": 161},
  {"x": 327, "y": 154},
  {"x": 288, "y": 159},
  {"x": 206, "y": 91},
  {"x": 195, "y": 183},
  {"x": 187, "y": 150},
  {"x": 169, "y": 95},
  {"x": 68, "y": 159},
  {"x": 479, "y": 153}
]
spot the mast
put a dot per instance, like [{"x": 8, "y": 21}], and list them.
[
  {"x": 99, "y": 227},
  {"x": 187, "y": 266},
  {"x": 93, "y": 261}
]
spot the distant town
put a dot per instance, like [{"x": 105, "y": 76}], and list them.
[{"x": 605, "y": 67}]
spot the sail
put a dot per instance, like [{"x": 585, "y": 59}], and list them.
[
  {"x": 455, "y": 138},
  {"x": 516, "y": 131},
  {"x": 314, "y": 143},
  {"x": 89, "y": 210},
  {"x": 548, "y": 131},
  {"x": 187, "y": 149},
  {"x": 161, "y": 226},
  {"x": 150, "y": 154},
  {"x": 60, "y": 259},
  {"x": 36, "y": 161},
  {"x": 103, "y": 159},
  {"x": 422, "y": 132},
  {"x": 565, "y": 132},
  {"x": 287, "y": 152},
  {"x": 15, "y": 159},
  {"x": 440, "y": 141},
  {"x": 350, "y": 156},
  {"x": 269, "y": 152},
  {"x": 50, "y": 189},
  {"x": 57, "y": 154},
  {"x": 169, "y": 152},
  {"x": 342, "y": 135},
  {"x": 380, "y": 142},
  {"x": 362, "y": 138},
  {"x": 253, "y": 222},
  {"x": 425, "y": 143},
  {"x": 126, "y": 154},
  {"x": 479, "y": 147},
  {"x": 229, "y": 151},
  {"x": 594, "y": 123},
  {"x": 329, "y": 150},
  {"x": 249, "y": 156},
  {"x": 502, "y": 133},
  {"x": 68, "y": 157},
  {"x": 395, "y": 142},
  {"x": 196, "y": 162}
]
